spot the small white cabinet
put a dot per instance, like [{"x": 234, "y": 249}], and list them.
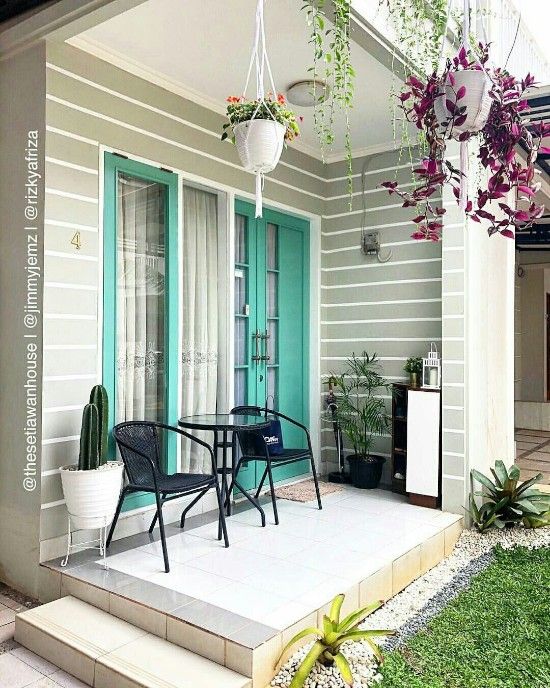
[{"x": 423, "y": 444}]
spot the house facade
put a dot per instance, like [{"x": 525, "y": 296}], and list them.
[{"x": 88, "y": 132}]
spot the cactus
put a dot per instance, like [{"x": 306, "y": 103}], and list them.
[
  {"x": 88, "y": 459},
  {"x": 98, "y": 397}
]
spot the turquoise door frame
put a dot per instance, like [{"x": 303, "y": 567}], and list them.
[
  {"x": 113, "y": 164},
  {"x": 292, "y": 357}
]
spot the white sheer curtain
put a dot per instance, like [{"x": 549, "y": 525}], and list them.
[
  {"x": 140, "y": 299},
  {"x": 200, "y": 315}
]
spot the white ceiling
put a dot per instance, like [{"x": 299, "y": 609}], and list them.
[{"x": 202, "y": 48}]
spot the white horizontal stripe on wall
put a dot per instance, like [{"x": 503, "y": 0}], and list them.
[
  {"x": 385, "y": 339},
  {"x": 170, "y": 142},
  {"x": 70, "y": 256},
  {"x": 378, "y": 303},
  {"x": 71, "y": 165},
  {"x": 378, "y": 320},
  {"x": 69, "y": 378},
  {"x": 380, "y": 283},
  {"x": 387, "y": 244},
  {"x": 69, "y": 347},
  {"x": 453, "y": 408},
  {"x": 70, "y": 285},
  {"x": 60, "y": 440},
  {"x": 51, "y": 505},
  {"x": 60, "y": 409},
  {"x": 453, "y": 477},
  {"x": 366, "y": 266},
  {"x": 53, "y": 471},
  {"x": 69, "y": 316},
  {"x": 380, "y": 358},
  {"x": 70, "y": 225},
  {"x": 72, "y": 196},
  {"x": 70, "y": 135}
]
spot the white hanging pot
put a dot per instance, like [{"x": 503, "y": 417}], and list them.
[
  {"x": 259, "y": 144},
  {"x": 476, "y": 100},
  {"x": 91, "y": 496}
]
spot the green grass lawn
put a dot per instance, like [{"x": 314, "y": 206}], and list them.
[{"x": 495, "y": 634}]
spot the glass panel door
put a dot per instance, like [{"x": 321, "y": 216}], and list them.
[
  {"x": 271, "y": 319},
  {"x": 140, "y": 297}
]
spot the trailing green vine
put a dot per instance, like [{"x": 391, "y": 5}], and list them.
[{"x": 332, "y": 66}]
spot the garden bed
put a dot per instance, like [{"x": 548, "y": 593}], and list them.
[{"x": 479, "y": 618}]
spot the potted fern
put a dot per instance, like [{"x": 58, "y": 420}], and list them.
[
  {"x": 361, "y": 414},
  {"x": 91, "y": 488}
]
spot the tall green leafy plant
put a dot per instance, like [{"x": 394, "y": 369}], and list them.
[
  {"x": 361, "y": 411},
  {"x": 327, "y": 649},
  {"x": 332, "y": 67}
]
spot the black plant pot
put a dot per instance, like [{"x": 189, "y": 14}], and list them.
[{"x": 366, "y": 474}]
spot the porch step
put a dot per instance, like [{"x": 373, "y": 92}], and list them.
[{"x": 106, "y": 652}]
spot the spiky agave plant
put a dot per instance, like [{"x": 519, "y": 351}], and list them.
[
  {"x": 508, "y": 501},
  {"x": 327, "y": 648}
]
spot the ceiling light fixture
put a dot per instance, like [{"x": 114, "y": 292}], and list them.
[{"x": 306, "y": 93}]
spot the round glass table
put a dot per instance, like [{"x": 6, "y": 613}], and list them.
[{"x": 222, "y": 424}]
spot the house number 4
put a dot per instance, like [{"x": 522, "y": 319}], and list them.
[{"x": 76, "y": 241}]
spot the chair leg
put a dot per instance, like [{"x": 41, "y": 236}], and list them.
[
  {"x": 153, "y": 522},
  {"x": 115, "y": 519},
  {"x": 162, "y": 535},
  {"x": 190, "y": 506},
  {"x": 264, "y": 476},
  {"x": 316, "y": 482},
  {"x": 222, "y": 527},
  {"x": 272, "y": 487}
]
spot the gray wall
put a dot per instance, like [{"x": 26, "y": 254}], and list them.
[
  {"x": 91, "y": 104},
  {"x": 393, "y": 309},
  {"x": 22, "y": 86}
]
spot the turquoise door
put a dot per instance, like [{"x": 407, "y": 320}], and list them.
[
  {"x": 140, "y": 297},
  {"x": 272, "y": 322}
]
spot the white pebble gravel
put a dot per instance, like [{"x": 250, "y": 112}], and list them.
[{"x": 410, "y": 608}]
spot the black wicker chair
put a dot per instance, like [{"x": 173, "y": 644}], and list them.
[
  {"x": 254, "y": 448},
  {"x": 138, "y": 442}
]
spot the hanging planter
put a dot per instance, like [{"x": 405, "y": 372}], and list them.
[
  {"x": 470, "y": 99},
  {"x": 259, "y": 144},
  {"x": 476, "y": 86},
  {"x": 260, "y": 127}
]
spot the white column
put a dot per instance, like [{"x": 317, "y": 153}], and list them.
[{"x": 478, "y": 351}]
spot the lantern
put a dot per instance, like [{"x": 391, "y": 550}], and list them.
[{"x": 431, "y": 369}]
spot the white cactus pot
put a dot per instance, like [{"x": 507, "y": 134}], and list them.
[
  {"x": 477, "y": 100},
  {"x": 91, "y": 496},
  {"x": 259, "y": 143}
]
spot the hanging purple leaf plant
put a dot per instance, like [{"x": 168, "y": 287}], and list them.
[{"x": 444, "y": 107}]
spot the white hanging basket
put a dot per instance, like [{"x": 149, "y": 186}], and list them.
[
  {"x": 91, "y": 496},
  {"x": 477, "y": 100},
  {"x": 259, "y": 144}
]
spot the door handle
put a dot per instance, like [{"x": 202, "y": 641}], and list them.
[
  {"x": 265, "y": 337},
  {"x": 256, "y": 337}
]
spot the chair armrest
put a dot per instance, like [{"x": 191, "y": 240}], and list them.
[
  {"x": 203, "y": 444},
  {"x": 296, "y": 423}
]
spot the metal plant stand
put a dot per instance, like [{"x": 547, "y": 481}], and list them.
[{"x": 98, "y": 543}]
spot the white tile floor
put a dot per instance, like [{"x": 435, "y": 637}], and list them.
[{"x": 278, "y": 574}]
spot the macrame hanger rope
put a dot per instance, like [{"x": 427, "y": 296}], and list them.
[{"x": 260, "y": 59}]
